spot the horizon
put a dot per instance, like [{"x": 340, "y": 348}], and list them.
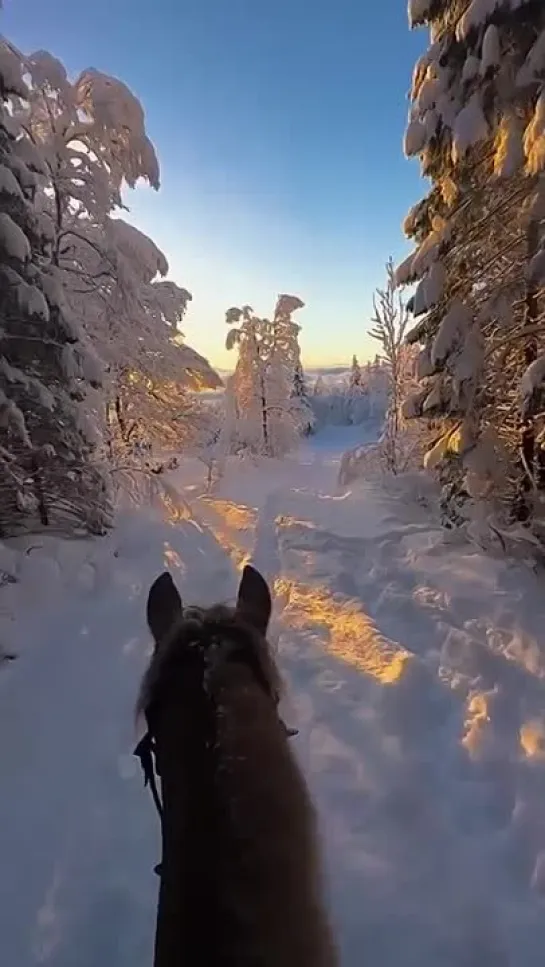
[
  {"x": 324, "y": 369},
  {"x": 271, "y": 181}
]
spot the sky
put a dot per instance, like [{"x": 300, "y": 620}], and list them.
[{"x": 278, "y": 125}]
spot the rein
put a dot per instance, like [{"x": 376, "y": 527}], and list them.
[{"x": 146, "y": 750}]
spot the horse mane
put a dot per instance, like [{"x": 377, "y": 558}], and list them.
[{"x": 205, "y": 628}]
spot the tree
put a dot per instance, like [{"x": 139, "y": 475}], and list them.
[
  {"x": 46, "y": 438},
  {"x": 91, "y": 134},
  {"x": 247, "y": 385},
  {"x": 133, "y": 319},
  {"x": 268, "y": 352},
  {"x": 112, "y": 275},
  {"x": 357, "y": 402},
  {"x": 477, "y": 124},
  {"x": 319, "y": 386},
  {"x": 355, "y": 379},
  {"x": 301, "y": 401},
  {"x": 390, "y": 324},
  {"x": 390, "y": 321}
]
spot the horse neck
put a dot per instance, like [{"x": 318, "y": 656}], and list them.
[
  {"x": 188, "y": 891},
  {"x": 240, "y": 881}
]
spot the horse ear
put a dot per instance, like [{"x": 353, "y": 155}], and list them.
[
  {"x": 254, "y": 603},
  {"x": 164, "y": 606}
]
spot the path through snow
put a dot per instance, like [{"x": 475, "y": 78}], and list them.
[{"x": 416, "y": 676}]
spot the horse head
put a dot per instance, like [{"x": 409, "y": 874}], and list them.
[
  {"x": 219, "y": 634},
  {"x": 239, "y": 839}
]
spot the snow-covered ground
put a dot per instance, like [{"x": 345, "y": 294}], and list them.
[{"x": 416, "y": 676}]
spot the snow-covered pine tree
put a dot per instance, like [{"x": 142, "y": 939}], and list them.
[
  {"x": 319, "y": 387},
  {"x": 299, "y": 382},
  {"x": 355, "y": 380},
  {"x": 46, "y": 440},
  {"x": 299, "y": 395},
  {"x": 477, "y": 122},
  {"x": 247, "y": 385},
  {"x": 356, "y": 398}
]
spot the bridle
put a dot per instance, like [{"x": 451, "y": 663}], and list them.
[{"x": 146, "y": 750}]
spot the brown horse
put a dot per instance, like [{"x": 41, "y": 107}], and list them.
[{"x": 240, "y": 873}]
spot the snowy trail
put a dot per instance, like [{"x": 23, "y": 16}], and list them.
[
  {"x": 78, "y": 837},
  {"x": 416, "y": 677},
  {"x": 421, "y": 837}
]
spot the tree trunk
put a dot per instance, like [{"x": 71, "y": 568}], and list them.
[
  {"x": 532, "y": 459},
  {"x": 120, "y": 417},
  {"x": 110, "y": 442},
  {"x": 264, "y": 418},
  {"x": 37, "y": 480}
]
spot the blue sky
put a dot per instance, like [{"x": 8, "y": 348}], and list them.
[{"x": 278, "y": 125}]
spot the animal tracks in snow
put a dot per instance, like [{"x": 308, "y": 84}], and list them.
[{"x": 416, "y": 676}]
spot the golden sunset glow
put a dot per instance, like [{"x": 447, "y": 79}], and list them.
[
  {"x": 476, "y": 721},
  {"x": 353, "y": 637},
  {"x": 233, "y": 526},
  {"x": 532, "y": 739}
]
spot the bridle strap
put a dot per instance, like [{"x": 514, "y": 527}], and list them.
[{"x": 145, "y": 751}]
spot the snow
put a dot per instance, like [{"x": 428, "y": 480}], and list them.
[
  {"x": 509, "y": 156},
  {"x": 471, "y": 68},
  {"x": 469, "y": 128},
  {"x": 434, "y": 398},
  {"x": 491, "y": 49},
  {"x": 10, "y": 70},
  {"x": 429, "y": 289},
  {"x": 112, "y": 107},
  {"x": 418, "y": 10},
  {"x": 451, "y": 332},
  {"x": 46, "y": 69},
  {"x": 430, "y": 248},
  {"x": 427, "y": 94},
  {"x": 134, "y": 245},
  {"x": 533, "y": 377},
  {"x": 415, "y": 137},
  {"x": 424, "y": 365},
  {"x": 13, "y": 418},
  {"x": 418, "y": 263},
  {"x": 29, "y": 298},
  {"x": 13, "y": 240},
  {"x": 466, "y": 362},
  {"x": 416, "y": 678},
  {"x": 8, "y": 183},
  {"x": 534, "y": 64},
  {"x": 534, "y": 138},
  {"x": 536, "y": 268},
  {"x": 477, "y": 13},
  {"x": 412, "y": 406},
  {"x": 14, "y": 375},
  {"x": 30, "y": 155}
]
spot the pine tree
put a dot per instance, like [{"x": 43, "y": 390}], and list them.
[
  {"x": 319, "y": 386},
  {"x": 300, "y": 395},
  {"x": 477, "y": 122},
  {"x": 355, "y": 379},
  {"x": 46, "y": 439}
]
